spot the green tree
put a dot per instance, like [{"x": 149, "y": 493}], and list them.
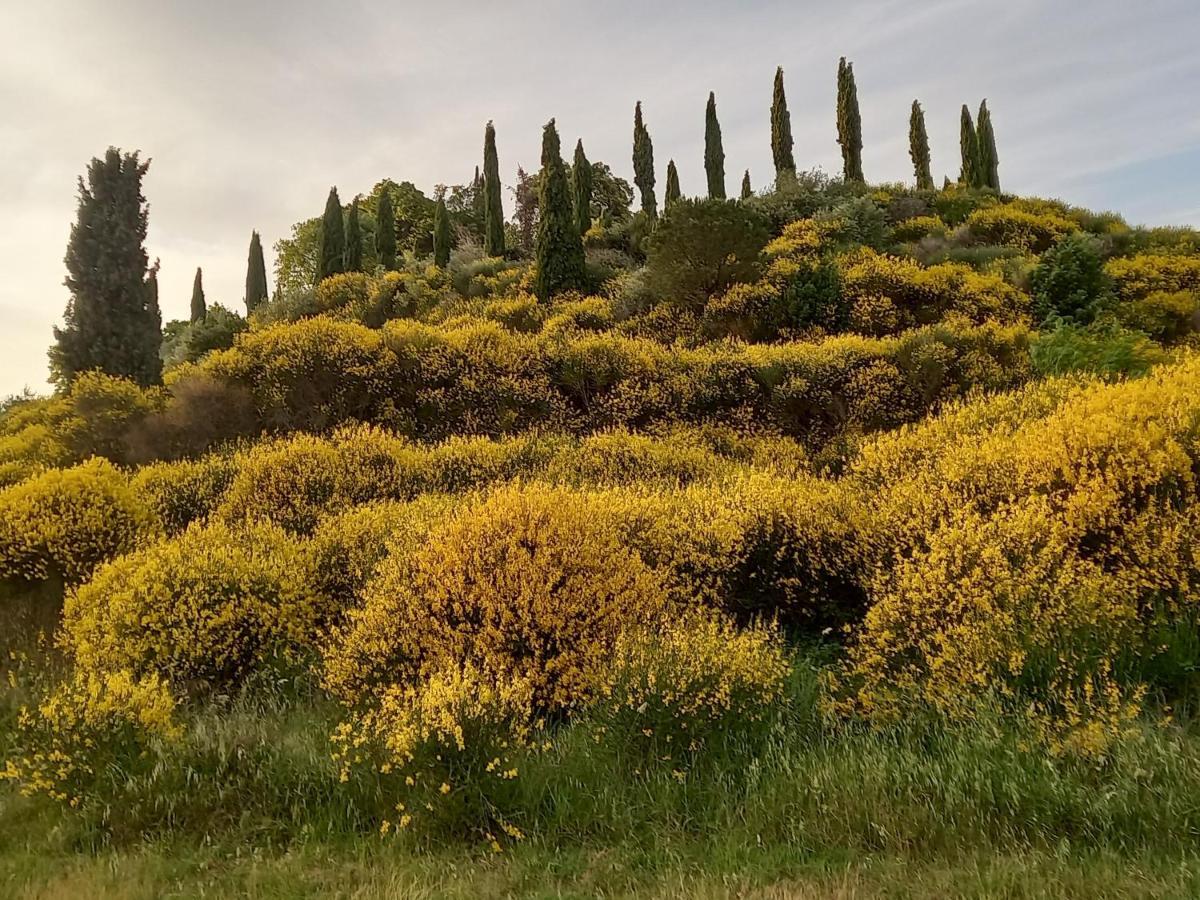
[
  {"x": 714, "y": 151},
  {"x": 441, "y": 234},
  {"x": 559, "y": 248},
  {"x": 493, "y": 232},
  {"x": 354, "y": 241},
  {"x": 256, "y": 275},
  {"x": 989, "y": 160},
  {"x": 643, "y": 163},
  {"x": 333, "y": 239},
  {"x": 385, "y": 232},
  {"x": 972, "y": 166},
  {"x": 199, "y": 307},
  {"x": 747, "y": 191},
  {"x": 672, "y": 193},
  {"x": 111, "y": 321},
  {"x": 918, "y": 147},
  {"x": 581, "y": 184},
  {"x": 849, "y": 123},
  {"x": 781, "y": 130}
]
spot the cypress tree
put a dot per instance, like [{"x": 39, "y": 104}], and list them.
[
  {"x": 581, "y": 182},
  {"x": 559, "y": 249},
  {"x": 441, "y": 233},
  {"x": 354, "y": 246},
  {"x": 199, "y": 307},
  {"x": 989, "y": 161},
  {"x": 493, "y": 211},
  {"x": 333, "y": 239},
  {"x": 111, "y": 321},
  {"x": 385, "y": 232},
  {"x": 671, "y": 194},
  {"x": 918, "y": 147},
  {"x": 781, "y": 130},
  {"x": 849, "y": 123},
  {"x": 643, "y": 163},
  {"x": 256, "y": 275},
  {"x": 714, "y": 152},
  {"x": 152, "y": 334},
  {"x": 747, "y": 191},
  {"x": 972, "y": 167}
]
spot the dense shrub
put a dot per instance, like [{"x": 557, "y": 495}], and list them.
[
  {"x": 1010, "y": 224},
  {"x": 1070, "y": 281},
  {"x": 184, "y": 492},
  {"x": 1167, "y": 318},
  {"x": 1137, "y": 277},
  {"x": 203, "y": 608},
  {"x": 190, "y": 341},
  {"x": 1102, "y": 347},
  {"x": 65, "y": 522}
]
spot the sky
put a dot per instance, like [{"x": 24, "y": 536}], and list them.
[{"x": 251, "y": 109}]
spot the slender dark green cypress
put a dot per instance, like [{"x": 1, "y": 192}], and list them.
[
  {"x": 989, "y": 161},
  {"x": 385, "y": 232},
  {"x": 918, "y": 147},
  {"x": 781, "y": 130},
  {"x": 558, "y": 248},
  {"x": 643, "y": 163},
  {"x": 714, "y": 151},
  {"x": 354, "y": 245},
  {"x": 747, "y": 191},
  {"x": 333, "y": 239},
  {"x": 109, "y": 323},
  {"x": 972, "y": 167},
  {"x": 441, "y": 234},
  {"x": 581, "y": 184},
  {"x": 671, "y": 194},
  {"x": 199, "y": 307},
  {"x": 849, "y": 123},
  {"x": 493, "y": 210},
  {"x": 256, "y": 275}
]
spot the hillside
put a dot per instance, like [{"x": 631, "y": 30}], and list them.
[{"x": 838, "y": 540}]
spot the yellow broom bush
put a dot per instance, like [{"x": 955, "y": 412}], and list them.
[{"x": 186, "y": 491}]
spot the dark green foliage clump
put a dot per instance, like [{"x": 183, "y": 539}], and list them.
[
  {"x": 256, "y": 275},
  {"x": 112, "y": 319},
  {"x": 781, "y": 130},
  {"x": 354, "y": 244},
  {"x": 493, "y": 209},
  {"x": 190, "y": 341},
  {"x": 385, "y": 231},
  {"x": 559, "y": 247},
  {"x": 918, "y": 147},
  {"x": 1070, "y": 283},
  {"x": 989, "y": 161},
  {"x": 581, "y": 188},
  {"x": 972, "y": 164},
  {"x": 714, "y": 151},
  {"x": 701, "y": 247},
  {"x": 199, "y": 307},
  {"x": 849, "y": 124},
  {"x": 441, "y": 234},
  {"x": 672, "y": 193},
  {"x": 333, "y": 239},
  {"x": 643, "y": 163}
]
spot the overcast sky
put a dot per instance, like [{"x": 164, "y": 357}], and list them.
[{"x": 251, "y": 109}]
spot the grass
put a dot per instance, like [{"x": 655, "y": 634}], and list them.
[{"x": 250, "y": 804}]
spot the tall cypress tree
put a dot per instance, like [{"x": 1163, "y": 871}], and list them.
[
  {"x": 152, "y": 334},
  {"x": 441, "y": 233},
  {"x": 385, "y": 232},
  {"x": 256, "y": 275},
  {"x": 671, "y": 194},
  {"x": 918, "y": 147},
  {"x": 849, "y": 123},
  {"x": 581, "y": 183},
  {"x": 559, "y": 249},
  {"x": 968, "y": 139},
  {"x": 643, "y": 163},
  {"x": 781, "y": 130},
  {"x": 989, "y": 160},
  {"x": 747, "y": 191},
  {"x": 110, "y": 323},
  {"x": 199, "y": 307},
  {"x": 354, "y": 245},
  {"x": 333, "y": 239},
  {"x": 493, "y": 211},
  {"x": 714, "y": 151}
]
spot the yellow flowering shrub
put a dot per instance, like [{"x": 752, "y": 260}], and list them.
[
  {"x": 919, "y": 227},
  {"x": 520, "y": 313},
  {"x": 68, "y": 742},
  {"x": 1165, "y": 317},
  {"x": 207, "y": 607},
  {"x": 528, "y": 584},
  {"x": 619, "y": 457},
  {"x": 30, "y": 451},
  {"x": 185, "y": 491},
  {"x": 1015, "y": 225},
  {"x": 1137, "y": 277},
  {"x": 692, "y": 681},
  {"x": 68, "y": 521}
]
